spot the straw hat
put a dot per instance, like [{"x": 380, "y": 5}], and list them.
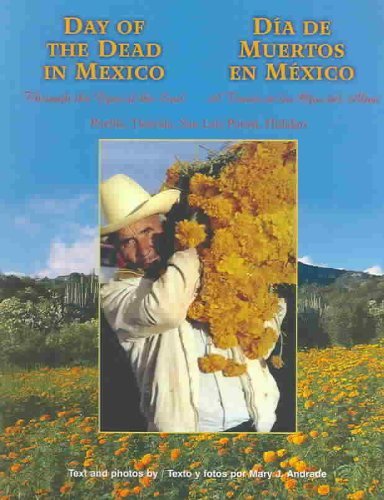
[{"x": 125, "y": 202}]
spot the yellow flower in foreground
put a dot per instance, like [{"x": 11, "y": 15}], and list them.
[
  {"x": 300, "y": 466},
  {"x": 299, "y": 439},
  {"x": 269, "y": 456},
  {"x": 290, "y": 484},
  {"x": 175, "y": 453},
  {"x": 66, "y": 487},
  {"x": 146, "y": 459},
  {"x": 223, "y": 441},
  {"x": 123, "y": 492},
  {"x": 293, "y": 460},
  {"x": 323, "y": 489},
  {"x": 358, "y": 495},
  {"x": 15, "y": 468},
  {"x": 145, "y": 481}
]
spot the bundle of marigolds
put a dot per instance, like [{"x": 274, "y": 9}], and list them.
[{"x": 244, "y": 225}]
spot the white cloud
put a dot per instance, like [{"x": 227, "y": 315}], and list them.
[
  {"x": 375, "y": 270},
  {"x": 14, "y": 273},
  {"x": 80, "y": 256},
  {"x": 306, "y": 259}
]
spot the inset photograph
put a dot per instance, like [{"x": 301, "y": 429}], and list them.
[{"x": 198, "y": 249}]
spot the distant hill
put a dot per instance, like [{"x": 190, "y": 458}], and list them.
[
  {"x": 71, "y": 286},
  {"x": 339, "y": 307},
  {"x": 325, "y": 275},
  {"x": 335, "y": 307}
]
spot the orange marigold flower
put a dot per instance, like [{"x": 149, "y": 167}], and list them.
[
  {"x": 138, "y": 465},
  {"x": 85, "y": 441},
  {"x": 357, "y": 495},
  {"x": 250, "y": 206},
  {"x": 277, "y": 362},
  {"x": 323, "y": 489},
  {"x": 223, "y": 441},
  {"x": 145, "y": 481},
  {"x": 42, "y": 491},
  {"x": 120, "y": 451},
  {"x": 123, "y": 493},
  {"x": 300, "y": 466},
  {"x": 173, "y": 175},
  {"x": 211, "y": 363},
  {"x": 201, "y": 184},
  {"x": 175, "y": 453},
  {"x": 15, "y": 468},
  {"x": 147, "y": 459},
  {"x": 233, "y": 369},
  {"x": 190, "y": 233},
  {"x": 269, "y": 456},
  {"x": 225, "y": 341},
  {"x": 299, "y": 439},
  {"x": 194, "y": 465},
  {"x": 313, "y": 434},
  {"x": 66, "y": 488},
  {"x": 233, "y": 264},
  {"x": 293, "y": 460},
  {"x": 290, "y": 484}
]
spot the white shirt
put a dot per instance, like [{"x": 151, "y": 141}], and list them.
[
  {"x": 149, "y": 320},
  {"x": 222, "y": 402}
]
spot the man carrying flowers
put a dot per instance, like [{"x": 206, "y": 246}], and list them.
[{"x": 193, "y": 373}]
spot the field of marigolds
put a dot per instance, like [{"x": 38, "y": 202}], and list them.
[{"x": 50, "y": 446}]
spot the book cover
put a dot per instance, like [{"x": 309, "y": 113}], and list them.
[{"x": 159, "y": 92}]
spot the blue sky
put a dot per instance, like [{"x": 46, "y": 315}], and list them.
[{"x": 50, "y": 153}]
